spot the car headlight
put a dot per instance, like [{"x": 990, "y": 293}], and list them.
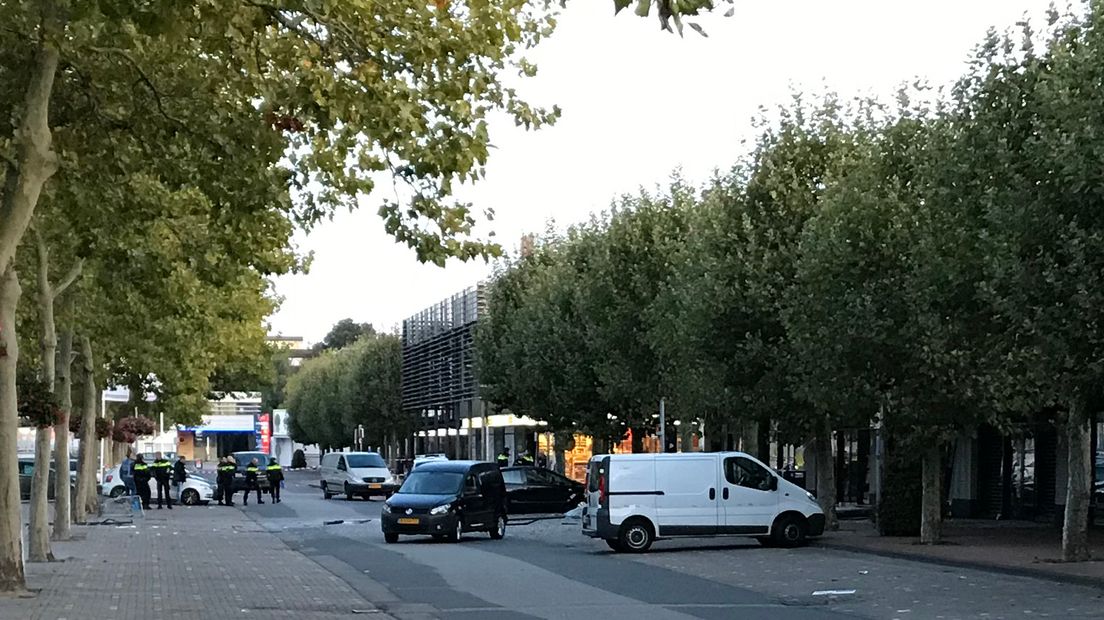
[
  {"x": 440, "y": 510},
  {"x": 386, "y": 508}
]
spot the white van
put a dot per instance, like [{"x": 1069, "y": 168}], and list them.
[
  {"x": 356, "y": 473},
  {"x": 634, "y": 499}
]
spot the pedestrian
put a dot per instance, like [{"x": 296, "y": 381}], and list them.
[
  {"x": 542, "y": 461},
  {"x": 503, "y": 458},
  {"x": 275, "y": 479},
  {"x": 226, "y": 471},
  {"x": 126, "y": 473},
  {"x": 162, "y": 473},
  {"x": 142, "y": 480},
  {"x": 178, "y": 475},
  {"x": 524, "y": 460},
  {"x": 251, "y": 472}
]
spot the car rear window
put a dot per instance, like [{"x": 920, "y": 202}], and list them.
[{"x": 514, "y": 476}]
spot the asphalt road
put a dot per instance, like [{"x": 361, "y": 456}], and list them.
[{"x": 548, "y": 570}]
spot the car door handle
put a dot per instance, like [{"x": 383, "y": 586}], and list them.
[
  {"x": 724, "y": 493},
  {"x": 712, "y": 493}
]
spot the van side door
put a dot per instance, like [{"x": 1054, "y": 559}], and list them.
[
  {"x": 476, "y": 506},
  {"x": 749, "y": 500},
  {"x": 686, "y": 500}
]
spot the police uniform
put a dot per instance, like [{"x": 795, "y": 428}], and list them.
[
  {"x": 162, "y": 473},
  {"x": 142, "y": 475},
  {"x": 251, "y": 472},
  {"x": 275, "y": 476},
  {"x": 226, "y": 483}
]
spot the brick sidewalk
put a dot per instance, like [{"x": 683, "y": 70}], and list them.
[
  {"x": 1012, "y": 547},
  {"x": 191, "y": 562}
]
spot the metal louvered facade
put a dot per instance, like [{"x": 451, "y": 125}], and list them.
[{"x": 439, "y": 385}]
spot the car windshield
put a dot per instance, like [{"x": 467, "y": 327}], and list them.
[
  {"x": 432, "y": 483},
  {"x": 365, "y": 460},
  {"x": 243, "y": 459}
]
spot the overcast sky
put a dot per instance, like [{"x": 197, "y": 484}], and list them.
[{"x": 637, "y": 104}]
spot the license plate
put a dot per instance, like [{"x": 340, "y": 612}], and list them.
[
  {"x": 375, "y": 486},
  {"x": 408, "y": 521}
]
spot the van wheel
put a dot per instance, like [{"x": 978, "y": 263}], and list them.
[
  {"x": 348, "y": 495},
  {"x": 498, "y": 530},
  {"x": 636, "y": 536},
  {"x": 614, "y": 544},
  {"x": 390, "y": 538},
  {"x": 789, "y": 531},
  {"x": 459, "y": 532},
  {"x": 326, "y": 494}
]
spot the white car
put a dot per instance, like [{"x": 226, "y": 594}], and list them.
[
  {"x": 422, "y": 459},
  {"x": 356, "y": 473},
  {"x": 194, "y": 491}
]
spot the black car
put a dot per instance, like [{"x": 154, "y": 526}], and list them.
[
  {"x": 243, "y": 459},
  {"x": 532, "y": 490},
  {"x": 444, "y": 499}
]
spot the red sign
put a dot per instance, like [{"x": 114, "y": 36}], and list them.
[{"x": 266, "y": 432}]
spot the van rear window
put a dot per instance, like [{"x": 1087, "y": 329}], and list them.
[{"x": 594, "y": 470}]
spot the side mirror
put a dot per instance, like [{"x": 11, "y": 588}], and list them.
[{"x": 773, "y": 485}]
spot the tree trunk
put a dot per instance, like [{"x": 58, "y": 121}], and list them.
[
  {"x": 62, "y": 505},
  {"x": 11, "y": 544},
  {"x": 931, "y": 501},
  {"x": 1075, "y": 528},
  {"x": 749, "y": 436},
  {"x": 826, "y": 474},
  {"x": 39, "y": 538},
  {"x": 35, "y": 160},
  {"x": 87, "y": 435}
]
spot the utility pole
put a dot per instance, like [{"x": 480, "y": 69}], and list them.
[{"x": 662, "y": 425}]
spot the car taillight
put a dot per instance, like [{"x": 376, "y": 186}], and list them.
[
  {"x": 109, "y": 477},
  {"x": 603, "y": 490}
]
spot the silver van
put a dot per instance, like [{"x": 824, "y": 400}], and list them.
[{"x": 356, "y": 473}]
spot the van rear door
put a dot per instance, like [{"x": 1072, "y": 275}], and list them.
[{"x": 686, "y": 501}]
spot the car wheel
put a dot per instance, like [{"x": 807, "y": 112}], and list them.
[
  {"x": 789, "y": 531},
  {"x": 614, "y": 544},
  {"x": 326, "y": 494},
  {"x": 390, "y": 538},
  {"x": 190, "y": 497},
  {"x": 498, "y": 530},
  {"x": 459, "y": 532},
  {"x": 348, "y": 494},
  {"x": 636, "y": 536},
  {"x": 117, "y": 492}
]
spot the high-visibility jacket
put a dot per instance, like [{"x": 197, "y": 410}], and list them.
[
  {"x": 141, "y": 473},
  {"x": 251, "y": 474},
  {"x": 274, "y": 472},
  {"x": 162, "y": 469}
]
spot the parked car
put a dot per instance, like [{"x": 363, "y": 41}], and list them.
[
  {"x": 444, "y": 499},
  {"x": 635, "y": 499},
  {"x": 243, "y": 459},
  {"x": 356, "y": 473},
  {"x": 26, "y": 473},
  {"x": 531, "y": 490},
  {"x": 195, "y": 490}
]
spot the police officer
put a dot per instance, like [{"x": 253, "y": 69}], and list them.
[
  {"x": 162, "y": 473},
  {"x": 141, "y": 480},
  {"x": 275, "y": 477},
  {"x": 251, "y": 472},
  {"x": 226, "y": 471},
  {"x": 525, "y": 459},
  {"x": 503, "y": 458}
]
